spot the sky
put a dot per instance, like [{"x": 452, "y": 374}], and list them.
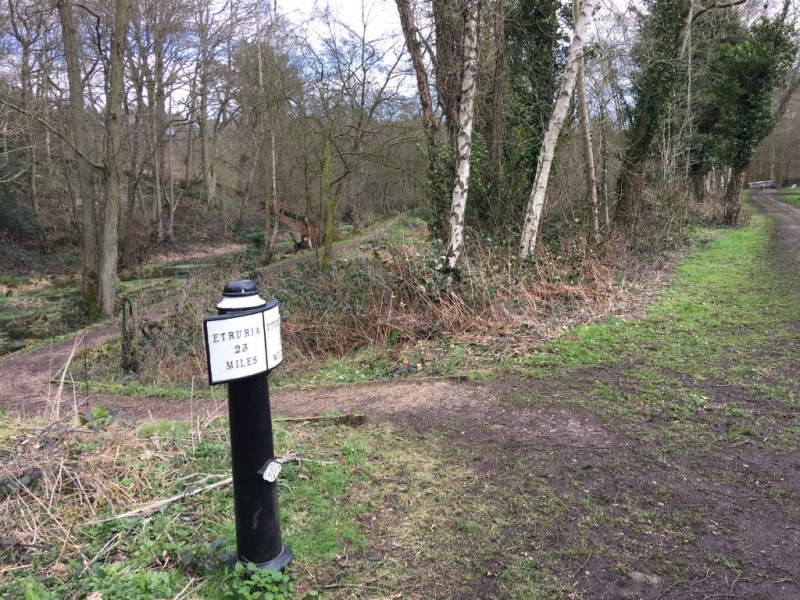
[{"x": 382, "y": 14}]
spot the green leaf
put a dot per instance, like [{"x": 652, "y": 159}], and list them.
[{"x": 217, "y": 543}]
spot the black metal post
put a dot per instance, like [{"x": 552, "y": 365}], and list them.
[{"x": 255, "y": 499}]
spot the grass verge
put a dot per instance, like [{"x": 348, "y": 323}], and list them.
[{"x": 790, "y": 195}]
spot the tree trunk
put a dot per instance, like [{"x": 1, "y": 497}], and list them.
[
  {"x": 423, "y": 86},
  {"x": 732, "y": 207},
  {"x": 586, "y": 129},
  {"x": 588, "y": 154},
  {"x": 498, "y": 89},
  {"x": 466, "y": 112},
  {"x": 632, "y": 177},
  {"x": 173, "y": 203},
  {"x": 248, "y": 185},
  {"x": 85, "y": 200},
  {"x": 698, "y": 187},
  {"x": 449, "y": 59},
  {"x": 209, "y": 177},
  {"x": 108, "y": 258},
  {"x": 439, "y": 186},
  {"x": 133, "y": 175},
  {"x": 155, "y": 210},
  {"x": 330, "y": 205},
  {"x": 30, "y": 142},
  {"x": 273, "y": 205},
  {"x": 604, "y": 148},
  {"x": 155, "y": 93},
  {"x": 130, "y": 211},
  {"x": 187, "y": 181},
  {"x": 267, "y": 158},
  {"x": 130, "y": 205},
  {"x": 533, "y": 214}
]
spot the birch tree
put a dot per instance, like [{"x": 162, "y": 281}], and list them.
[
  {"x": 533, "y": 213},
  {"x": 466, "y": 114}
]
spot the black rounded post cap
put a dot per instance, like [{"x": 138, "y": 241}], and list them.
[{"x": 240, "y": 287}]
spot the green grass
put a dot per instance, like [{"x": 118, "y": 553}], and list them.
[
  {"x": 727, "y": 321},
  {"x": 683, "y": 397},
  {"x": 727, "y": 291},
  {"x": 790, "y": 195},
  {"x": 330, "y": 504}
]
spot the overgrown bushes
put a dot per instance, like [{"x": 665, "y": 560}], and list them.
[
  {"x": 392, "y": 294},
  {"x": 393, "y": 297}
]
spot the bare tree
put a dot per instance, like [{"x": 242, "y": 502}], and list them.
[
  {"x": 357, "y": 82},
  {"x": 215, "y": 25},
  {"x": 267, "y": 128},
  {"x": 414, "y": 45},
  {"x": 27, "y": 26},
  {"x": 113, "y": 160},
  {"x": 77, "y": 137}
]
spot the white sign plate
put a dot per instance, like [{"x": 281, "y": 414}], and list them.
[
  {"x": 236, "y": 347},
  {"x": 272, "y": 331}
]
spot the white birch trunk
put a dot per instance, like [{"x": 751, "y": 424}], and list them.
[
  {"x": 273, "y": 204},
  {"x": 466, "y": 113},
  {"x": 533, "y": 214}
]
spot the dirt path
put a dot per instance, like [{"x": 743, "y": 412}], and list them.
[
  {"x": 670, "y": 525},
  {"x": 787, "y": 217}
]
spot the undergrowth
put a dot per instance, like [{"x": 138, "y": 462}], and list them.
[
  {"x": 392, "y": 294},
  {"x": 380, "y": 309}
]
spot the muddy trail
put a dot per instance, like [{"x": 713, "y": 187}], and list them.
[{"x": 709, "y": 525}]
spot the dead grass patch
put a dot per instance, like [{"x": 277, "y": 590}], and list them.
[{"x": 58, "y": 479}]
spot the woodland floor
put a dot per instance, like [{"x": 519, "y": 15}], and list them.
[{"x": 757, "y": 534}]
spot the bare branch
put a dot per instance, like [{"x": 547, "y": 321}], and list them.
[{"x": 53, "y": 130}]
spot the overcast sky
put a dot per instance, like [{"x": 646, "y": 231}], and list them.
[{"x": 382, "y": 15}]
